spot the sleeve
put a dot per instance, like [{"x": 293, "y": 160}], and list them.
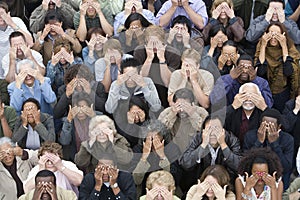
[
  {"x": 140, "y": 171},
  {"x": 232, "y": 153},
  {"x": 47, "y": 92},
  {"x": 83, "y": 157},
  {"x": 123, "y": 151},
  {"x": 16, "y": 97},
  {"x": 293, "y": 30},
  {"x": 100, "y": 68},
  {"x": 168, "y": 117},
  {"x": 266, "y": 92},
  {"x": 19, "y": 131},
  {"x": 290, "y": 115},
  {"x": 251, "y": 141},
  {"x": 127, "y": 187},
  {"x": 165, "y": 7},
  {"x": 87, "y": 188},
  {"x": 236, "y": 27},
  {"x": 65, "y": 136},
  {"x": 298, "y": 161},
  {"x": 100, "y": 98},
  {"x": 113, "y": 97},
  {"x": 256, "y": 29},
  {"x": 76, "y": 20},
  {"x": 62, "y": 105},
  {"x": 292, "y": 188},
  {"x": 11, "y": 117},
  {"x": 198, "y": 117},
  {"x": 117, "y": 23},
  {"x": 212, "y": 22},
  {"x": 46, "y": 129},
  {"x": 51, "y": 72},
  {"x": 151, "y": 95},
  {"x": 36, "y": 19}
]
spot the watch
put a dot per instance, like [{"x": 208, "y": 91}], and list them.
[{"x": 114, "y": 186}]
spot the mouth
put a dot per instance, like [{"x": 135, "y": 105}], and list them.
[{"x": 133, "y": 9}]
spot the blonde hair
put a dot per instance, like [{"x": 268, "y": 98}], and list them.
[
  {"x": 99, "y": 119},
  {"x": 192, "y": 54},
  {"x": 162, "y": 178},
  {"x": 154, "y": 31},
  {"x": 216, "y": 3},
  {"x": 112, "y": 44}
]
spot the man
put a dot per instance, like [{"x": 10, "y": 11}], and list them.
[
  {"x": 183, "y": 118},
  {"x": 190, "y": 76},
  {"x": 194, "y": 10},
  {"x": 31, "y": 83},
  {"x": 19, "y": 50},
  {"x": 15, "y": 164},
  {"x": 107, "y": 182},
  {"x": 129, "y": 83},
  {"x": 181, "y": 37},
  {"x": 8, "y": 117},
  {"x": 32, "y": 128},
  {"x": 275, "y": 13},
  {"x": 90, "y": 15},
  {"x": 8, "y": 25},
  {"x": 244, "y": 113},
  {"x": 227, "y": 86},
  {"x": 269, "y": 134},
  {"x": 45, "y": 188},
  {"x": 212, "y": 146}
]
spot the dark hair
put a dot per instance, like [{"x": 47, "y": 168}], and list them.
[
  {"x": 230, "y": 43},
  {"x": 272, "y": 112},
  {"x": 108, "y": 156},
  {"x": 78, "y": 69},
  {"x": 181, "y": 19},
  {"x": 245, "y": 57},
  {"x": 53, "y": 15},
  {"x": 280, "y": 1},
  {"x": 32, "y": 100},
  {"x": 159, "y": 127},
  {"x": 211, "y": 117},
  {"x": 261, "y": 155},
  {"x": 289, "y": 41},
  {"x": 141, "y": 103},
  {"x": 129, "y": 62},
  {"x": 45, "y": 173},
  {"x": 215, "y": 29},
  {"x": 94, "y": 30},
  {"x": 81, "y": 96},
  {"x": 4, "y": 6},
  {"x": 136, "y": 16},
  {"x": 16, "y": 34},
  {"x": 184, "y": 93}
]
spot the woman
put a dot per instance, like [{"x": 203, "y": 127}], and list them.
[
  {"x": 76, "y": 127},
  {"x": 160, "y": 185},
  {"x": 135, "y": 25},
  {"x": 223, "y": 13},
  {"x": 263, "y": 171},
  {"x": 277, "y": 60},
  {"x": 95, "y": 40},
  {"x": 213, "y": 184},
  {"x": 103, "y": 137},
  {"x": 228, "y": 58}
]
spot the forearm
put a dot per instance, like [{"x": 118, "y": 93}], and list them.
[
  {"x": 76, "y": 47},
  {"x": 106, "y": 79},
  {"x": 5, "y": 127},
  {"x": 202, "y": 98},
  {"x": 10, "y": 77},
  {"x": 165, "y": 74},
  {"x": 166, "y": 18},
  {"x": 274, "y": 194},
  {"x": 30, "y": 184},
  {"x": 19, "y": 134},
  {"x": 47, "y": 134},
  {"x": 262, "y": 54},
  {"x": 81, "y": 31},
  {"x": 74, "y": 177},
  {"x": 195, "y": 18},
  {"x": 107, "y": 28},
  {"x": 146, "y": 68},
  {"x": 295, "y": 15}
]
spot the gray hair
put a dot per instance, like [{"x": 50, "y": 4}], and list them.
[
  {"x": 159, "y": 127},
  {"x": 4, "y": 140},
  {"x": 249, "y": 85},
  {"x": 24, "y": 62},
  {"x": 98, "y": 119}
]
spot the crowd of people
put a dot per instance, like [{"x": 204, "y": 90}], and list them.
[{"x": 149, "y": 99}]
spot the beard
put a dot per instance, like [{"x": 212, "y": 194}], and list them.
[{"x": 248, "y": 105}]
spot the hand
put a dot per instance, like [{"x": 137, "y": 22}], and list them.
[
  {"x": 26, "y": 50},
  {"x": 149, "y": 50},
  {"x": 221, "y": 61},
  {"x": 273, "y": 133},
  {"x": 55, "y": 58},
  {"x": 281, "y": 15},
  {"x": 58, "y": 3},
  {"x": 97, "y": 6},
  {"x": 258, "y": 101},
  {"x": 37, "y": 75},
  {"x": 229, "y": 11},
  {"x": 265, "y": 39},
  {"x": 12, "y": 53},
  {"x": 147, "y": 148},
  {"x": 113, "y": 175},
  {"x": 18, "y": 151},
  {"x": 39, "y": 190},
  {"x": 219, "y": 191},
  {"x": 51, "y": 189},
  {"x": 98, "y": 177},
  {"x": 174, "y": 3},
  {"x": 68, "y": 56},
  {"x": 235, "y": 72},
  {"x": 91, "y": 43},
  {"x": 109, "y": 133},
  {"x": 161, "y": 52},
  {"x": 270, "y": 180},
  {"x": 20, "y": 78},
  {"x": 281, "y": 39},
  {"x": 89, "y": 111},
  {"x": 252, "y": 73},
  {"x": 2, "y": 111},
  {"x": 58, "y": 30},
  {"x": 83, "y": 7},
  {"x": 176, "y": 107},
  {"x": 152, "y": 194},
  {"x": 202, "y": 187},
  {"x": 139, "y": 80},
  {"x": 122, "y": 78},
  {"x": 184, "y": 3},
  {"x": 261, "y": 132},
  {"x": 45, "y": 4},
  {"x": 205, "y": 137},
  {"x": 239, "y": 99},
  {"x": 297, "y": 103},
  {"x": 55, "y": 159},
  {"x": 141, "y": 115},
  {"x": 234, "y": 57},
  {"x": 217, "y": 11},
  {"x": 269, "y": 14},
  {"x": 72, "y": 112},
  {"x": 130, "y": 117},
  {"x": 250, "y": 181},
  {"x": 24, "y": 118},
  {"x": 128, "y": 35},
  {"x": 221, "y": 137},
  {"x": 172, "y": 33},
  {"x": 71, "y": 87},
  {"x": 214, "y": 41},
  {"x": 42, "y": 162},
  {"x": 7, "y": 18},
  {"x": 2, "y": 155},
  {"x": 185, "y": 37},
  {"x": 188, "y": 108},
  {"x": 46, "y": 31},
  {"x": 166, "y": 194},
  {"x": 128, "y": 7},
  {"x": 159, "y": 147},
  {"x": 37, "y": 117}
]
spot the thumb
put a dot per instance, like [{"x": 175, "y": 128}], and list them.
[
  {"x": 247, "y": 175},
  {"x": 199, "y": 181},
  {"x": 70, "y": 107},
  {"x": 274, "y": 174},
  {"x": 225, "y": 187},
  {"x": 92, "y": 106}
]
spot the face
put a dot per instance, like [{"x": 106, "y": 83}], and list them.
[
  {"x": 136, "y": 24},
  {"x": 2, "y": 22},
  {"x": 101, "y": 130},
  {"x": 160, "y": 187},
  {"x": 216, "y": 126},
  {"x": 211, "y": 180},
  {"x": 115, "y": 55},
  {"x": 245, "y": 65},
  {"x": 81, "y": 115},
  {"x": 7, "y": 150},
  {"x": 48, "y": 179},
  {"x": 91, "y": 11},
  {"x": 188, "y": 66},
  {"x": 49, "y": 164},
  {"x": 228, "y": 52},
  {"x": 274, "y": 30},
  {"x": 30, "y": 108},
  {"x": 258, "y": 170},
  {"x": 248, "y": 104},
  {"x": 180, "y": 28},
  {"x": 135, "y": 110},
  {"x": 54, "y": 23},
  {"x": 223, "y": 14},
  {"x": 29, "y": 80},
  {"x": 99, "y": 44},
  {"x": 17, "y": 42},
  {"x": 221, "y": 38},
  {"x": 105, "y": 165},
  {"x": 276, "y": 6},
  {"x": 268, "y": 121},
  {"x": 130, "y": 83},
  {"x": 182, "y": 114},
  {"x": 155, "y": 40}
]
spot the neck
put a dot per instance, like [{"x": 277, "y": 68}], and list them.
[
  {"x": 259, "y": 189},
  {"x": 248, "y": 112},
  {"x": 224, "y": 21}
]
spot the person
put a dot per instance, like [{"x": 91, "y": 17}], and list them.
[
  {"x": 76, "y": 127},
  {"x": 277, "y": 60},
  {"x": 129, "y": 83},
  {"x": 53, "y": 32},
  {"x": 223, "y": 13},
  {"x": 30, "y": 83},
  {"x": 269, "y": 134},
  {"x": 8, "y": 25},
  {"x": 294, "y": 11},
  {"x": 260, "y": 174},
  {"x": 33, "y": 127},
  {"x": 153, "y": 6},
  {"x": 214, "y": 183},
  {"x": 8, "y": 118},
  {"x": 160, "y": 185},
  {"x": 213, "y": 145},
  {"x": 107, "y": 182},
  {"x": 47, "y": 188},
  {"x": 68, "y": 176},
  {"x": 95, "y": 40},
  {"x": 199, "y": 81},
  {"x": 292, "y": 192},
  {"x": 38, "y": 16},
  {"x": 15, "y": 164},
  {"x": 90, "y": 15},
  {"x": 103, "y": 138},
  {"x": 19, "y": 50},
  {"x": 194, "y": 10},
  {"x": 244, "y": 113},
  {"x": 275, "y": 13},
  {"x": 131, "y": 7},
  {"x": 159, "y": 60},
  {"x": 183, "y": 118}
]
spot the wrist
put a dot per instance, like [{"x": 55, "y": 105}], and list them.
[
  {"x": 223, "y": 145},
  {"x": 295, "y": 111}
]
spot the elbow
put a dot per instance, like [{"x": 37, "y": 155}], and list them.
[{"x": 78, "y": 180}]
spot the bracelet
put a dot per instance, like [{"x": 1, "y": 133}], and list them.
[
  {"x": 17, "y": 28},
  {"x": 63, "y": 168},
  {"x": 163, "y": 63}
]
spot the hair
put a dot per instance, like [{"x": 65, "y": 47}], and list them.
[
  {"x": 184, "y": 93},
  {"x": 52, "y": 15},
  {"x": 32, "y": 100},
  {"x": 181, "y": 19},
  {"x": 61, "y": 42},
  {"x": 280, "y": 1},
  {"x": 79, "y": 70},
  {"x": 99, "y": 119},
  {"x": 141, "y": 103},
  {"x": 210, "y": 117},
  {"x": 16, "y": 34},
  {"x": 112, "y": 44},
  {"x": 215, "y": 29},
  {"x": 129, "y": 62},
  {"x": 81, "y": 96},
  {"x": 162, "y": 178},
  {"x": 272, "y": 112},
  {"x": 94, "y": 30},
  {"x": 230, "y": 43},
  {"x": 155, "y": 31},
  {"x": 4, "y": 140},
  {"x": 51, "y": 147},
  {"x": 216, "y": 3},
  {"x": 261, "y": 155},
  {"x": 192, "y": 54},
  {"x": 250, "y": 84},
  {"x": 108, "y": 156},
  {"x": 136, "y": 16},
  {"x": 245, "y": 57},
  {"x": 159, "y": 127},
  {"x": 289, "y": 41},
  {"x": 45, "y": 173},
  {"x": 24, "y": 62},
  {"x": 4, "y": 6}
]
